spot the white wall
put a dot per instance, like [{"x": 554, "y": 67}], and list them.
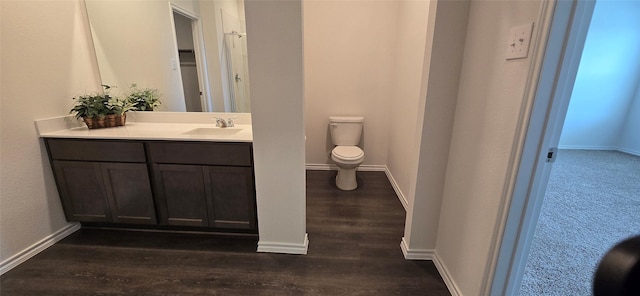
[
  {"x": 442, "y": 63},
  {"x": 275, "y": 56},
  {"x": 404, "y": 102},
  {"x": 630, "y": 135},
  {"x": 607, "y": 80},
  {"x": 489, "y": 101},
  {"x": 137, "y": 48},
  {"x": 46, "y": 59},
  {"x": 349, "y": 55}
]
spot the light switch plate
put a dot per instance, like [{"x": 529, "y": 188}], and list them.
[{"x": 519, "y": 39}]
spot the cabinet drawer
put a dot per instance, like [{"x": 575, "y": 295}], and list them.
[
  {"x": 233, "y": 154},
  {"x": 96, "y": 150}
]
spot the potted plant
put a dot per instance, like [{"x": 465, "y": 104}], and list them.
[
  {"x": 118, "y": 109},
  {"x": 93, "y": 108},
  {"x": 143, "y": 99}
]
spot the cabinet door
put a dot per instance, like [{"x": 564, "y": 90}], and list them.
[
  {"x": 81, "y": 191},
  {"x": 232, "y": 194},
  {"x": 181, "y": 195},
  {"x": 129, "y": 192}
]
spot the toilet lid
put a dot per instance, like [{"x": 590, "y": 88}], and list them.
[{"x": 348, "y": 152}]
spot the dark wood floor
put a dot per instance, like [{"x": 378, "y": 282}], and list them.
[{"x": 354, "y": 250}]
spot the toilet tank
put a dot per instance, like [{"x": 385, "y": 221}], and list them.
[{"x": 345, "y": 130}]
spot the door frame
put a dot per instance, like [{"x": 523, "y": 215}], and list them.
[{"x": 551, "y": 93}]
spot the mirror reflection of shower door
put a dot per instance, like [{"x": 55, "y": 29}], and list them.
[
  {"x": 235, "y": 57},
  {"x": 235, "y": 74}
]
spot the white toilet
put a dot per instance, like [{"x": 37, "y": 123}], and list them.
[{"x": 345, "y": 134}]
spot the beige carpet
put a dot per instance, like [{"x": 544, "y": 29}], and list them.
[{"x": 591, "y": 203}]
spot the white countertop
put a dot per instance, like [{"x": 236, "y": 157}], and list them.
[{"x": 158, "y": 131}]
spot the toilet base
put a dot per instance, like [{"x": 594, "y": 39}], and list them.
[{"x": 346, "y": 179}]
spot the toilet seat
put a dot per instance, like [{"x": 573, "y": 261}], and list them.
[{"x": 348, "y": 153}]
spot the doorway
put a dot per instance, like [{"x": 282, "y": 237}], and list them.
[
  {"x": 567, "y": 29},
  {"x": 188, "y": 61},
  {"x": 564, "y": 53},
  {"x": 589, "y": 203}
]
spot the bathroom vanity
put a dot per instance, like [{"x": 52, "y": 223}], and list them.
[{"x": 171, "y": 176}]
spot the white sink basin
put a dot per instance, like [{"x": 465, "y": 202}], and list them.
[{"x": 213, "y": 131}]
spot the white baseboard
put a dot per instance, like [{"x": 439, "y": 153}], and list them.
[
  {"x": 333, "y": 167},
  {"x": 372, "y": 168},
  {"x": 321, "y": 167},
  {"x": 367, "y": 168},
  {"x": 430, "y": 254},
  {"x": 630, "y": 151},
  {"x": 580, "y": 147},
  {"x": 284, "y": 248},
  {"x": 416, "y": 254},
  {"x": 38, "y": 247},
  {"x": 396, "y": 188},
  {"x": 446, "y": 276},
  {"x": 615, "y": 148}
]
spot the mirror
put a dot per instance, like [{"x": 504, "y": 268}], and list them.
[{"x": 193, "y": 51}]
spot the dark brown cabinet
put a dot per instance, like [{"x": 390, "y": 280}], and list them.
[
  {"x": 204, "y": 184},
  {"x": 181, "y": 195},
  {"x": 95, "y": 188},
  {"x": 164, "y": 183},
  {"x": 129, "y": 193},
  {"x": 232, "y": 194},
  {"x": 81, "y": 190}
]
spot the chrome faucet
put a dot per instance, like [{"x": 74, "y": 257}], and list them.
[
  {"x": 220, "y": 122},
  {"x": 230, "y": 122}
]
